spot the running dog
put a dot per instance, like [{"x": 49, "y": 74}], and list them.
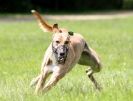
[{"x": 64, "y": 52}]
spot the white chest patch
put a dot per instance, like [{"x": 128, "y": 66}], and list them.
[{"x": 53, "y": 68}]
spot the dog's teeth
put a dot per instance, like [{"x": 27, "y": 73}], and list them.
[{"x": 61, "y": 59}]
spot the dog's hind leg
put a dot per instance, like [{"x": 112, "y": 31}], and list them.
[
  {"x": 89, "y": 73},
  {"x": 90, "y": 58}
]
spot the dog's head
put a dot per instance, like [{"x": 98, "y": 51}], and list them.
[{"x": 60, "y": 41}]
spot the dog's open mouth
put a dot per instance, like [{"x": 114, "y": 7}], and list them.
[{"x": 61, "y": 60}]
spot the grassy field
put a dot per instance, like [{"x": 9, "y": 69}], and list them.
[{"x": 22, "y": 46}]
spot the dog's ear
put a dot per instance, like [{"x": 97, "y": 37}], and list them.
[
  {"x": 55, "y": 28},
  {"x": 42, "y": 23},
  {"x": 70, "y": 33}
]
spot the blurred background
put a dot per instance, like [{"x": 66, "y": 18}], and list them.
[
  {"x": 107, "y": 26},
  {"x": 24, "y": 6}
]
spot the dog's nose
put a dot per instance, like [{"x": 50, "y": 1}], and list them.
[{"x": 62, "y": 54}]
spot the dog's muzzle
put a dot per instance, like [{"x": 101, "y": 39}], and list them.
[{"x": 60, "y": 53}]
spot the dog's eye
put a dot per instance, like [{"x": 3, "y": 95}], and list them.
[
  {"x": 57, "y": 41},
  {"x": 66, "y": 42}
]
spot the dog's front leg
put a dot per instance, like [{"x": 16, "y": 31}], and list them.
[
  {"x": 35, "y": 80},
  {"x": 55, "y": 77},
  {"x": 42, "y": 78}
]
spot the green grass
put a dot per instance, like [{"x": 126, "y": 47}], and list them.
[{"x": 22, "y": 46}]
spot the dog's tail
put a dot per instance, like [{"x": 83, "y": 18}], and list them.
[{"x": 42, "y": 23}]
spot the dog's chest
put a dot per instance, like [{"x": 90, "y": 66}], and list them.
[{"x": 53, "y": 68}]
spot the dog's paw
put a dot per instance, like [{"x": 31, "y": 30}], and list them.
[
  {"x": 33, "y": 82},
  {"x": 98, "y": 87}
]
